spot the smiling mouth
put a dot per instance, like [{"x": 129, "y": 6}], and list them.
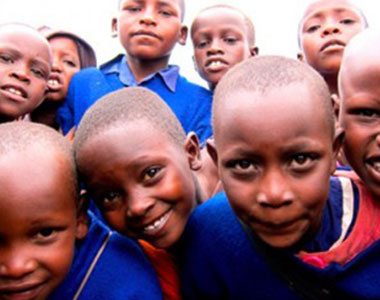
[
  {"x": 157, "y": 225},
  {"x": 14, "y": 91},
  {"x": 21, "y": 292}
]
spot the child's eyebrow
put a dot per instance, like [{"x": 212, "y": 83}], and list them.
[{"x": 165, "y": 4}]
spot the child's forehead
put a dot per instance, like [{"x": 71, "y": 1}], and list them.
[{"x": 320, "y": 7}]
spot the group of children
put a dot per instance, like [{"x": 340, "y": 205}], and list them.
[{"x": 285, "y": 220}]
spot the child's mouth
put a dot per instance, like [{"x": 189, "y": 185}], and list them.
[{"x": 157, "y": 225}]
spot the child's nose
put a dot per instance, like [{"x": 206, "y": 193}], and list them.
[
  {"x": 139, "y": 204},
  {"x": 148, "y": 17},
  {"x": 215, "y": 48},
  {"x": 330, "y": 28},
  {"x": 274, "y": 191},
  {"x": 20, "y": 72},
  {"x": 17, "y": 263}
]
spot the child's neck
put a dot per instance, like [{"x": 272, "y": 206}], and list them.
[
  {"x": 143, "y": 68},
  {"x": 332, "y": 82}
]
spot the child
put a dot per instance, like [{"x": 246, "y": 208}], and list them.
[
  {"x": 148, "y": 31},
  {"x": 137, "y": 163},
  {"x": 359, "y": 90},
  {"x": 275, "y": 148},
  {"x": 325, "y": 29},
  {"x": 222, "y": 36},
  {"x": 218, "y": 46},
  {"x": 24, "y": 71},
  {"x": 41, "y": 218},
  {"x": 70, "y": 54}
]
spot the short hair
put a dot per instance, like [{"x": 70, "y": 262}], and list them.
[
  {"x": 356, "y": 8},
  {"x": 126, "y": 106},
  {"x": 181, "y": 6},
  {"x": 264, "y": 73},
  {"x": 251, "y": 36},
  {"x": 87, "y": 56},
  {"x": 22, "y": 136}
]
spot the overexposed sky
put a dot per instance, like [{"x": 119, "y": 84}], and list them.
[{"x": 275, "y": 21}]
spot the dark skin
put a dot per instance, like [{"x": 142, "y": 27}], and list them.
[
  {"x": 276, "y": 174},
  {"x": 325, "y": 29},
  {"x": 148, "y": 30}
]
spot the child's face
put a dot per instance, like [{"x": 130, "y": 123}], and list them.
[
  {"x": 220, "y": 41},
  {"x": 66, "y": 63},
  {"x": 360, "y": 118},
  {"x": 141, "y": 182},
  {"x": 149, "y": 29},
  {"x": 275, "y": 163},
  {"x": 24, "y": 71},
  {"x": 37, "y": 224},
  {"x": 326, "y": 28}
]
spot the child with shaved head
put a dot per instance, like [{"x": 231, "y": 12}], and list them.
[
  {"x": 324, "y": 31},
  {"x": 49, "y": 246},
  {"x": 283, "y": 227},
  {"x": 24, "y": 71},
  {"x": 136, "y": 163}
]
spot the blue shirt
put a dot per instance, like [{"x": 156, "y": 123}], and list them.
[
  {"x": 220, "y": 259},
  {"x": 190, "y": 103}
]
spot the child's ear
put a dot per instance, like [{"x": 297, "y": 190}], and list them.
[
  {"x": 337, "y": 145},
  {"x": 183, "y": 35},
  {"x": 335, "y": 101},
  {"x": 254, "y": 51},
  {"x": 114, "y": 26},
  {"x": 192, "y": 149},
  {"x": 211, "y": 149},
  {"x": 195, "y": 64},
  {"x": 300, "y": 57},
  {"x": 82, "y": 217}
]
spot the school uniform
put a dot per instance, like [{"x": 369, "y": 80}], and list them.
[
  {"x": 222, "y": 259},
  {"x": 190, "y": 103},
  {"x": 108, "y": 266}
]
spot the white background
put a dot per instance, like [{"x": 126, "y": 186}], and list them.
[{"x": 276, "y": 23}]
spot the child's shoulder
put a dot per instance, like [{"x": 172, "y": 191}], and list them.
[
  {"x": 109, "y": 266},
  {"x": 184, "y": 85}
]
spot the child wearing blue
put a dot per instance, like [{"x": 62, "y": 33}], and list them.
[
  {"x": 148, "y": 31},
  {"x": 283, "y": 229},
  {"x": 137, "y": 164},
  {"x": 50, "y": 247}
]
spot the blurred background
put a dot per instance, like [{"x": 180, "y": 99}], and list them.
[{"x": 276, "y": 23}]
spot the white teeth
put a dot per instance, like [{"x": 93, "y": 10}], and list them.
[
  {"x": 376, "y": 165},
  {"x": 14, "y": 91},
  {"x": 215, "y": 63},
  {"x": 158, "y": 224},
  {"x": 53, "y": 82}
]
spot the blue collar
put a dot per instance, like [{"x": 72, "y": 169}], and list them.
[{"x": 119, "y": 65}]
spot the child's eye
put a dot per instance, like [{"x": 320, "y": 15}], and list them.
[
  {"x": 44, "y": 235},
  {"x": 242, "y": 165},
  {"x": 166, "y": 13},
  {"x": 38, "y": 73},
  {"x": 347, "y": 21},
  {"x": 132, "y": 9},
  {"x": 302, "y": 161},
  {"x": 230, "y": 40},
  {"x": 201, "y": 44},
  {"x": 312, "y": 28},
  {"x": 150, "y": 173},
  {"x": 368, "y": 113},
  {"x": 109, "y": 201},
  {"x": 6, "y": 58},
  {"x": 70, "y": 63}
]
